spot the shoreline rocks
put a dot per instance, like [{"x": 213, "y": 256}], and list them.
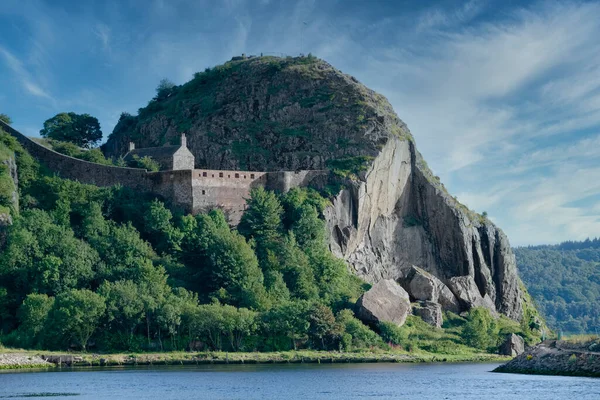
[
  {"x": 19, "y": 360},
  {"x": 556, "y": 358}
]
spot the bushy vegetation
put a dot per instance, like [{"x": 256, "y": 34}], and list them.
[
  {"x": 94, "y": 155},
  {"x": 564, "y": 281},
  {"x": 107, "y": 266},
  {"x": 111, "y": 269},
  {"x": 145, "y": 162}
]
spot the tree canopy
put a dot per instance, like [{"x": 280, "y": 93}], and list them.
[
  {"x": 80, "y": 129},
  {"x": 5, "y": 118},
  {"x": 564, "y": 281}
]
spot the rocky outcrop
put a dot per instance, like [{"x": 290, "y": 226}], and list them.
[
  {"x": 267, "y": 113},
  {"x": 423, "y": 286},
  {"x": 399, "y": 216},
  {"x": 514, "y": 345},
  {"x": 467, "y": 292},
  {"x": 385, "y": 301},
  {"x": 556, "y": 358},
  {"x": 429, "y": 312}
]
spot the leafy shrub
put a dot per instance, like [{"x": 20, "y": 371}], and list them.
[{"x": 145, "y": 162}]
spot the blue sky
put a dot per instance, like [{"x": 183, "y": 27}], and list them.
[{"x": 502, "y": 97}]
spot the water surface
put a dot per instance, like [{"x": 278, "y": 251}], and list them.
[{"x": 295, "y": 381}]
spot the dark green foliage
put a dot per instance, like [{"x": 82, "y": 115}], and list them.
[
  {"x": 145, "y": 162},
  {"x": 5, "y": 118},
  {"x": 80, "y": 129},
  {"x": 360, "y": 335},
  {"x": 76, "y": 314},
  {"x": 564, "y": 281},
  {"x": 393, "y": 334},
  {"x": 481, "y": 329},
  {"x": 349, "y": 166},
  {"x": 92, "y": 155}
]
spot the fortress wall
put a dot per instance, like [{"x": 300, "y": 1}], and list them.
[
  {"x": 193, "y": 190},
  {"x": 80, "y": 170},
  {"x": 175, "y": 186},
  {"x": 226, "y": 190}
]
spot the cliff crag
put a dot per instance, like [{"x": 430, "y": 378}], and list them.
[{"x": 266, "y": 113}]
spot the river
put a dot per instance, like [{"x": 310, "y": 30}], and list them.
[{"x": 294, "y": 381}]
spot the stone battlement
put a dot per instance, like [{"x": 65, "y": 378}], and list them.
[{"x": 194, "y": 190}]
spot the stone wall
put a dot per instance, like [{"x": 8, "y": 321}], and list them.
[
  {"x": 83, "y": 171},
  {"x": 183, "y": 159},
  {"x": 193, "y": 190},
  {"x": 227, "y": 190}
]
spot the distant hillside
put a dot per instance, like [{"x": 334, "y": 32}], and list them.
[{"x": 564, "y": 280}]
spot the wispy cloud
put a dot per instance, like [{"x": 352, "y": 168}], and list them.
[
  {"x": 25, "y": 78},
  {"x": 102, "y": 32}
]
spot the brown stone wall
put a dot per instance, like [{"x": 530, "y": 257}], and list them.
[{"x": 226, "y": 190}]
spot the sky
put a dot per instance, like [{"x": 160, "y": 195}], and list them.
[{"x": 502, "y": 97}]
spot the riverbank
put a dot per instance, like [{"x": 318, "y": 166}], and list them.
[
  {"x": 22, "y": 360},
  {"x": 554, "y": 357},
  {"x": 52, "y": 359}
]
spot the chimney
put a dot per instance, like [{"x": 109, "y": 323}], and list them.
[
  {"x": 183, "y": 140},
  {"x": 131, "y": 146}
]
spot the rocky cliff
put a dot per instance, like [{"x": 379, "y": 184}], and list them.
[{"x": 266, "y": 113}]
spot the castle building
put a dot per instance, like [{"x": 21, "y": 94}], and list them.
[{"x": 170, "y": 158}]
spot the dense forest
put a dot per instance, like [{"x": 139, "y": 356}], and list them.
[
  {"x": 115, "y": 270},
  {"x": 564, "y": 281}
]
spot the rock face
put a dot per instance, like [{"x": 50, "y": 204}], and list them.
[
  {"x": 514, "y": 345},
  {"x": 385, "y": 301},
  {"x": 467, "y": 292},
  {"x": 267, "y": 113},
  {"x": 423, "y": 286},
  {"x": 429, "y": 312}
]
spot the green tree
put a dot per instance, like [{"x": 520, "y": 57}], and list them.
[
  {"x": 145, "y": 162},
  {"x": 78, "y": 312},
  {"x": 124, "y": 306},
  {"x": 5, "y": 118},
  {"x": 33, "y": 316},
  {"x": 289, "y": 320},
  {"x": 164, "y": 89},
  {"x": 362, "y": 336},
  {"x": 219, "y": 258},
  {"x": 323, "y": 330},
  {"x": 262, "y": 221},
  {"x": 480, "y": 330},
  {"x": 80, "y": 129}
]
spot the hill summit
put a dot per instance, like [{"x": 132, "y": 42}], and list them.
[{"x": 391, "y": 218}]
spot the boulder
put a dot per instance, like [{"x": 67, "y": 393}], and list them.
[
  {"x": 429, "y": 312},
  {"x": 423, "y": 286},
  {"x": 514, "y": 345},
  {"x": 385, "y": 301},
  {"x": 465, "y": 289}
]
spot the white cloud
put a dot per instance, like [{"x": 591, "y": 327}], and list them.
[{"x": 23, "y": 75}]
